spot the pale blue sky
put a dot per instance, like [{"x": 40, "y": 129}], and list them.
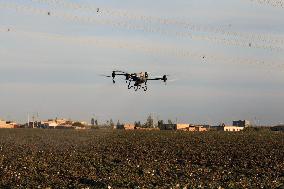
[{"x": 51, "y": 64}]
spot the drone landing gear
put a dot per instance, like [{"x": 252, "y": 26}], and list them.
[
  {"x": 137, "y": 87},
  {"x": 129, "y": 85},
  {"x": 145, "y": 88}
]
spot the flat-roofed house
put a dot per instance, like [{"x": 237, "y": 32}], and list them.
[
  {"x": 129, "y": 126},
  {"x": 182, "y": 126},
  {"x": 278, "y": 128},
  {"x": 167, "y": 127},
  {"x": 200, "y": 128},
  {"x": 191, "y": 128},
  {"x": 241, "y": 123},
  {"x": 232, "y": 128},
  {"x": 7, "y": 124},
  {"x": 126, "y": 126},
  {"x": 178, "y": 126}
]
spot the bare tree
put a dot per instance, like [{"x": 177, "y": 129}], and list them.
[{"x": 150, "y": 122}]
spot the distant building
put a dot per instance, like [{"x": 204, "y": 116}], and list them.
[
  {"x": 241, "y": 123},
  {"x": 178, "y": 126},
  {"x": 236, "y": 127},
  {"x": 84, "y": 123},
  {"x": 7, "y": 124},
  {"x": 61, "y": 121},
  {"x": 200, "y": 128},
  {"x": 54, "y": 123},
  {"x": 167, "y": 126},
  {"x": 50, "y": 124},
  {"x": 230, "y": 128},
  {"x": 127, "y": 126},
  {"x": 183, "y": 127},
  {"x": 277, "y": 128}
]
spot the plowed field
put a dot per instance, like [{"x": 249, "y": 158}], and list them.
[{"x": 33, "y": 158}]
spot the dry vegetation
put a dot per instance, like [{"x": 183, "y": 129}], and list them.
[{"x": 31, "y": 158}]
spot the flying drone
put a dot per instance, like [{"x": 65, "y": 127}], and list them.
[{"x": 136, "y": 80}]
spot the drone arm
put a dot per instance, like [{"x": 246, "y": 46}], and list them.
[
  {"x": 154, "y": 79},
  {"x": 164, "y": 78}
]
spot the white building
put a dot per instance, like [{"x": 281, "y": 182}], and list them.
[{"x": 232, "y": 128}]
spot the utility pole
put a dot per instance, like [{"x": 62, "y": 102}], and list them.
[
  {"x": 28, "y": 120},
  {"x": 157, "y": 121},
  {"x": 33, "y": 121}
]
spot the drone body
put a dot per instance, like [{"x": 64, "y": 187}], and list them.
[{"x": 136, "y": 80}]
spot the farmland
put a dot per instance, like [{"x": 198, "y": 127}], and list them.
[{"x": 34, "y": 158}]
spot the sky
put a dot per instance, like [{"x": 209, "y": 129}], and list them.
[{"x": 225, "y": 59}]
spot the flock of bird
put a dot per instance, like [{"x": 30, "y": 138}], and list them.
[
  {"x": 274, "y": 3},
  {"x": 120, "y": 19}
]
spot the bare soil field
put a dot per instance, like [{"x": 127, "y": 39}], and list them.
[{"x": 34, "y": 158}]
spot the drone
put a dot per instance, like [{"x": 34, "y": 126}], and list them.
[{"x": 136, "y": 80}]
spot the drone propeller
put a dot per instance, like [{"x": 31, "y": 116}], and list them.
[
  {"x": 159, "y": 76},
  {"x": 110, "y": 76},
  {"x": 172, "y": 80},
  {"x": 118, "y": 71},
  {"x": 105, "y": 75}
]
